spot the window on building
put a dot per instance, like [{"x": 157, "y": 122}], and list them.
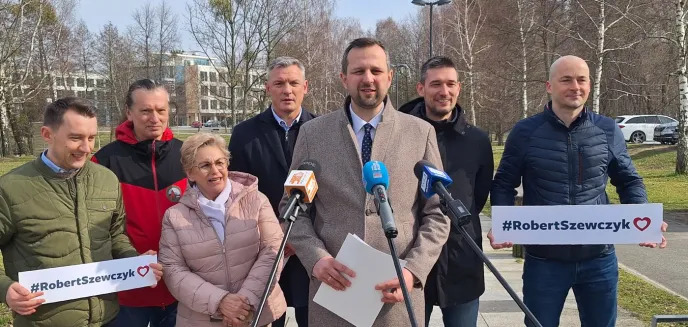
[
  {"x": 81, "y": 94},
  {"x": 222, "y": 91},
  {"x": 70, "y": 81},
  {"x": 59, "y": 81},
  {"x": 204, "y": 76},
  {"x": 204, "y": 104},
  {"x": 223, "y": 105},
  {"x": 91, "y": 95},
  {"x": 213, "y": 77},
  {"x": 91, "y": 82},
  {"x": 100, "y": 82},
  {"x": 213, "y": 104},
  {"x": 213, "y": 90},
  {"x": 80, "y": 82},
  {"x": 204, "y": 90}
]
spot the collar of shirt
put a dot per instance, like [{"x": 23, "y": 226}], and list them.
[
  {"x": 281, "y": 121},
  {"x": 358, "y": 123},
  {"x": 57, "y": 169}
]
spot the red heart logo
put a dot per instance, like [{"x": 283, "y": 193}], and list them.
[
  {"x": 646, "y": 220},
  {"x": 143, "y": 270}
]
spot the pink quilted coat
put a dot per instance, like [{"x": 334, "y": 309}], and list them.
[{"x": 199, "y": 270}]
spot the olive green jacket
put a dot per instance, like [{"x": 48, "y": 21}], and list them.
[{"x": 50, "y": 220}]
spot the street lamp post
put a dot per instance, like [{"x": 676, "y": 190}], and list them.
[{"x": 423, "y": 3}]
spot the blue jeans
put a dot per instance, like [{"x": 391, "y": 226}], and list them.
[
  {"x": 143, "y": 316},
  {"x": 459, "y": 315},
  {"x": 546, "y": 283}
]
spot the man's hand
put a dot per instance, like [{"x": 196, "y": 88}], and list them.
[
  {"x": 288, "y": 251},
  {"x": 391, "y": 290},
  {"x": 329, "y": 271},
  {"x": 235, "y": 309},
  {"x": 498, "y": 246},
  {"x": 21, "y": 301},
  {"x": 664, "y": 241},
  {"x": 156, "y": 267}
]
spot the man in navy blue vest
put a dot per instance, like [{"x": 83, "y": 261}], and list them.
[
  {"x": 263, "y": 146},
  {"x": 565, "y": 155}
]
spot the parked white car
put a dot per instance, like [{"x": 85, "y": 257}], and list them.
[{"x": 641, "y": 128}]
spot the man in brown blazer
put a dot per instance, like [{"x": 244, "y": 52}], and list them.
[{"x": 368, "y": 128}]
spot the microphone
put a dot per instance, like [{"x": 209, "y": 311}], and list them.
[
  {"x": 376, "y": 182},
  {"x": 301, "y": 187},
  {"x": 434, "y": 181}
]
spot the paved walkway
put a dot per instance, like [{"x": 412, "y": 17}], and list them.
[
  {"x": 673, "y": 259},
  {"x": 497, "y": 308}
]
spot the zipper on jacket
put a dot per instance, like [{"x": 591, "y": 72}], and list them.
[
  {"x": 71, "y": 184},
  {"x": 572, "y": 186},
  {"x": 200, "y": 213},
  {"x": 580, "y": 166},
  {"x": 155, "y": 179}
]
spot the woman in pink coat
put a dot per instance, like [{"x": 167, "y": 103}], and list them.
[{"x": 219, "y": 242}]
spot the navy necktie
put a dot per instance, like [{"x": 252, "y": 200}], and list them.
[{"x": 367, "y": 146}]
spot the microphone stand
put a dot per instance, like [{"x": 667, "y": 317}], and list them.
[
  {"x": 458, "y": 221},
  {"x": 289, "y": 215},
  {"x": 391, "y": 233}
]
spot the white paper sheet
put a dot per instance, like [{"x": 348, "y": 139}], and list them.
[{"x": 361, "y": 303}]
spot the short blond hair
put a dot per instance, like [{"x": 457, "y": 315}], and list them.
[{"x": 197, "y": 141}]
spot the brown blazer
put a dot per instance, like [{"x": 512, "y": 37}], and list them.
[{"x": 343, "y": 206}]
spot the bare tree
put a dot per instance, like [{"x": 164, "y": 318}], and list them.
[
  {"x": 467, "y": 22},
  {"x": 682, "y": 149},
  {"x": 609, "y": 15},
  {"x": 26, "y": 55},
  {"x": 167, "y": 37},
  {"x": 117, "y": 66},
  {"x": 144, "y": 32}
]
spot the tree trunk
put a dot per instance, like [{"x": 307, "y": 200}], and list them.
[
  {"x": 4, "y": 120},
  {"x": 471, "y": 93},
  {"x": 600, "y": 61},
  {"x": 524, "y": 62},
  {"x": 682, "y": 149}
]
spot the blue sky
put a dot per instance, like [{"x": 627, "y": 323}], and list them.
[{"x": 97, "y": 13}]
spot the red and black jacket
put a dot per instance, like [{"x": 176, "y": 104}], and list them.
[{"x": 152, "y": 179}]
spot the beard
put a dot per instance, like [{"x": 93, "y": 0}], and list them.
[{"x": 368, "y": 102}]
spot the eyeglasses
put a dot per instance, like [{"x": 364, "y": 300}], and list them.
[{"x": 220, "y": 164}]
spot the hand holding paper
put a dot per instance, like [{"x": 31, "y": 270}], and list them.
[
  {"x": 21, "y": 301},
  {"x": 664, "y": 241},
  {"x": 329, "y": 271},
  {"x": 156, "y": 267}
]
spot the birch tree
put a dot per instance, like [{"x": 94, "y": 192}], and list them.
[
  {"x": 467, "y": 22},
  {"x": 609, "y": 15},
  {"x": 682, "y": 149}
]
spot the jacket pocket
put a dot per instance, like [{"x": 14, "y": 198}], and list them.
[{"x": 100, "y": 213}]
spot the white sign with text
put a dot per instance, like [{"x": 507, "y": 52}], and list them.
[
  {"x": 78, "y": 281},
  {"x": 578, "y": 224}
]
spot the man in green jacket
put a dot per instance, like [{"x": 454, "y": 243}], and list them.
[{"x": 61, "y": 210}]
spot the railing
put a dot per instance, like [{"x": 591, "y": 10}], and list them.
[{"x": 668, "y": 318}]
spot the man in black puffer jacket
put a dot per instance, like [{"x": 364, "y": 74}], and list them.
[
  {"x": 457, "y": 280},
  {"x": 564, "y": 155}
]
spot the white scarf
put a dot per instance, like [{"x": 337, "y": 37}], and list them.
[{"x": 215, "y": 209}]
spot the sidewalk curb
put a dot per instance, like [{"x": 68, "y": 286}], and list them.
[{"x": 651, "y": 281}]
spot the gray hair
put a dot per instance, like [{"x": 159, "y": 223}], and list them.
[
  {"x": 284, "y": 62},
  {"x": 192, "y": 144}
]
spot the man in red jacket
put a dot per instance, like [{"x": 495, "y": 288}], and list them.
[{"x": 146, "y": 159}]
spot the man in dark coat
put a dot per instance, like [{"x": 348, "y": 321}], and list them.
[
  {"x": 457, "y": 280},
  {"x": 263, "y": 146}
]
